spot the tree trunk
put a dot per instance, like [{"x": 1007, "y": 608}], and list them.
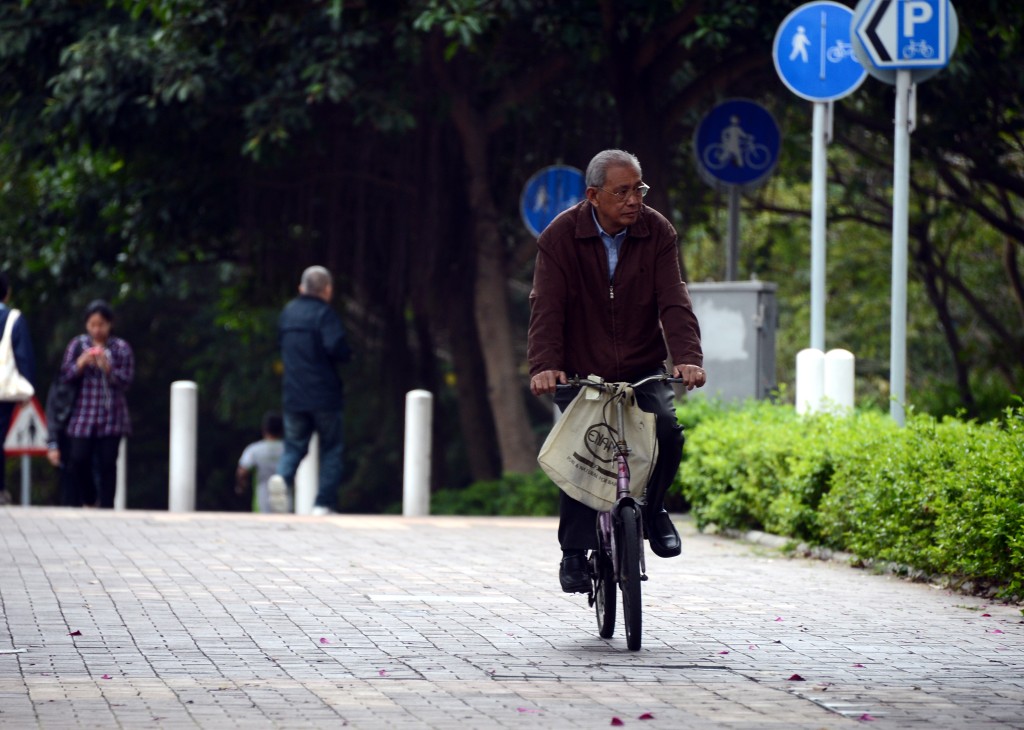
[{"x": 491, "y": 309}]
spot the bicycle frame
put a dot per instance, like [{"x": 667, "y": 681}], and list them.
[{"x": 606, "y": 520}]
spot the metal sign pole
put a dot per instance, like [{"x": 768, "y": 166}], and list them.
[
  {"x": 819, "y": 181},
  {"x": 900, "y": 213},
  {"x": 26, "y": 480},
  {"x": 733, "y": 245}
]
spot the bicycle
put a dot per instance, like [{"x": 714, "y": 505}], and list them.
[
  {"x": 619, "y": 562},
  {"x": 755, "y": 155},
  {"x": 916, "y": 48}
]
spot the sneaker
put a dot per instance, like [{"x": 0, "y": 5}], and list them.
[
  {"x": 277, "y": 493},
  {"x": 319, "y": 511}
]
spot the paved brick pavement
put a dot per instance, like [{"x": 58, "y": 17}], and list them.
[{"x": 147, "y": 619}]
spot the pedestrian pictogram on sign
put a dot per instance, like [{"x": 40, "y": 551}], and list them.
[{"x": 27, "y": 434}]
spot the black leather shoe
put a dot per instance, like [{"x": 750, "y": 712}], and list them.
[
  {"x": 574, "y": 574},
  {"x": 662, "y": 534}
]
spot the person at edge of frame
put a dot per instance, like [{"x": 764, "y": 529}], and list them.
[
  {"x": 607, "y": 297},
  {"x": 24, "y": 359}
]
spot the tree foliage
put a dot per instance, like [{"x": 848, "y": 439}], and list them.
[{"x": 188, "y": 158}]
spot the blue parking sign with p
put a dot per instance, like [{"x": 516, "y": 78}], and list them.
[{"x": 905, "y": 34}]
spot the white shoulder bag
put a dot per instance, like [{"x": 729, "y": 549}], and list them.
[
  {"x": 579, "y": 453},
  {"x": 13, "y": 385}
]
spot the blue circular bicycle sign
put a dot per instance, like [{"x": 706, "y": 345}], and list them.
[
  {"x": 813, "y": 52},
  {"x": 737, "y": 143},
  {"x": 547, "y": 193}
]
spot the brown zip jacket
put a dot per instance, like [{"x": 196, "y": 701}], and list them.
[{"x": 585, "y": 324}]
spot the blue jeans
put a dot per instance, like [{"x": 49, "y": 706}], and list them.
[{"x": 298, "y": 430}]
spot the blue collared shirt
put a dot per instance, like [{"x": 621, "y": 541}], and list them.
[{"x": 612, "y": 244}]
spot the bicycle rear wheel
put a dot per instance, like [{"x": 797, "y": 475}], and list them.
[
  {"x": 629, "y": 575},
  {"x": 604, "y": 593}
]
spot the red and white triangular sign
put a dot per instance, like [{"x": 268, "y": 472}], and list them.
[{"x": 27, "y": 434}]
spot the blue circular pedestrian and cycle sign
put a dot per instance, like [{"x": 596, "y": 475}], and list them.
[
  {"x": 814, "y": 54},
  {"x": 548, "y": 193},
  {"x": 737, "y": 143}
]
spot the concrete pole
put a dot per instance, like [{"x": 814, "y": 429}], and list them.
[
  {"x": 182, "y": 468},
  {"x": 307, "y": 478},
  {"x": 121, "y": 492},
  {"x": 416, "y": 471},
  {"x": 839, "y": 381},
  {"x": 810, "y": 380}
]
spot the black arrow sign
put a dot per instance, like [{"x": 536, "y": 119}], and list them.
[{"x": 872, "y": 31}]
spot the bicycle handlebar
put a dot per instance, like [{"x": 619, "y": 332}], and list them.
[{"x": 579, "y": 382}]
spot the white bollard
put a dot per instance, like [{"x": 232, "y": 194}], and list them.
[
  {"x": 182, "y": 468},
  {"x": 307, "y": 478},
  {"x": 121, "y": 491},
  {"x": 839, "y": 377},
  {"x": 810, "y": 380},
  {"x": 416, "y": 470}
]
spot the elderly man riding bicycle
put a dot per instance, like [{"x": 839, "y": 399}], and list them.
[{"x": 607, "y": 296}]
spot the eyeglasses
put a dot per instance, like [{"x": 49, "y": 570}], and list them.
[{"x": 640, "y": 190}]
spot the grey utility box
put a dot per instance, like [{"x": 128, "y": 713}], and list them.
[{"x": 738, "y": 320}]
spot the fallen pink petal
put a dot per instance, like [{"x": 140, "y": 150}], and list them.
[
  {"x": 646, "y": 716},
  {"x": 76, "y": 632},
  {"x": 997, "y": 631},
  {"x": 859, "y": 666},
  {"x": 866, "y": 718},
  {"x": 324, "y": 641},
  {"x": 382, "y": 672},
  {"x": 797, "y": 678},
  {"x": 723, "y": 652},
  {"x": 616, "y": 721},
  {"x": 527, "y": 709},
  {"x": 778, "y": 618},
  {"x": 106, "y": 676},
  {"x": 986, "y": 615}
]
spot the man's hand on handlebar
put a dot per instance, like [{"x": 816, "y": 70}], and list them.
[
  {"x": 544, "y": 383},
  {"x": 692, "y": 375}
]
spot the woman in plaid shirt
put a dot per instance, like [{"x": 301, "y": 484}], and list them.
[{"x": 105, "y": 367}]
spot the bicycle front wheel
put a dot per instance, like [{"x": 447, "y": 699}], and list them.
[
  {"x": 629, "y": 575},
  {"x": 604, "y": 593}
]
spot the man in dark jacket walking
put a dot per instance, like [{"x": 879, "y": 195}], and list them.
[{"x": 313, "y": 343}]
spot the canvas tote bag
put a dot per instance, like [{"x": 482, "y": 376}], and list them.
[
  {"x": 13, "y": 386},
  {"x": 579, "y": 453}
]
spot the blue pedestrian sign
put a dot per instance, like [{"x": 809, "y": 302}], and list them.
[
  {"x": 813, "y": 53},
  {"x": 905, "y": 34},
  {"x": 548, "y": 193},
  {"x": 737, "y": 143}
]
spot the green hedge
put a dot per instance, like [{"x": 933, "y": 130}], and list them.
[
  {"x": 514, "y": 494},
  {"x": 943, "y": 497}
]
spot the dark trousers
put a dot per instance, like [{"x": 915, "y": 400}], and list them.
[
  {"x": 298, "y": 430},
  {"x": 6, "y": 411},
  {"x": 93, "y": 464},
  {"x": 577, "y": 524}
]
